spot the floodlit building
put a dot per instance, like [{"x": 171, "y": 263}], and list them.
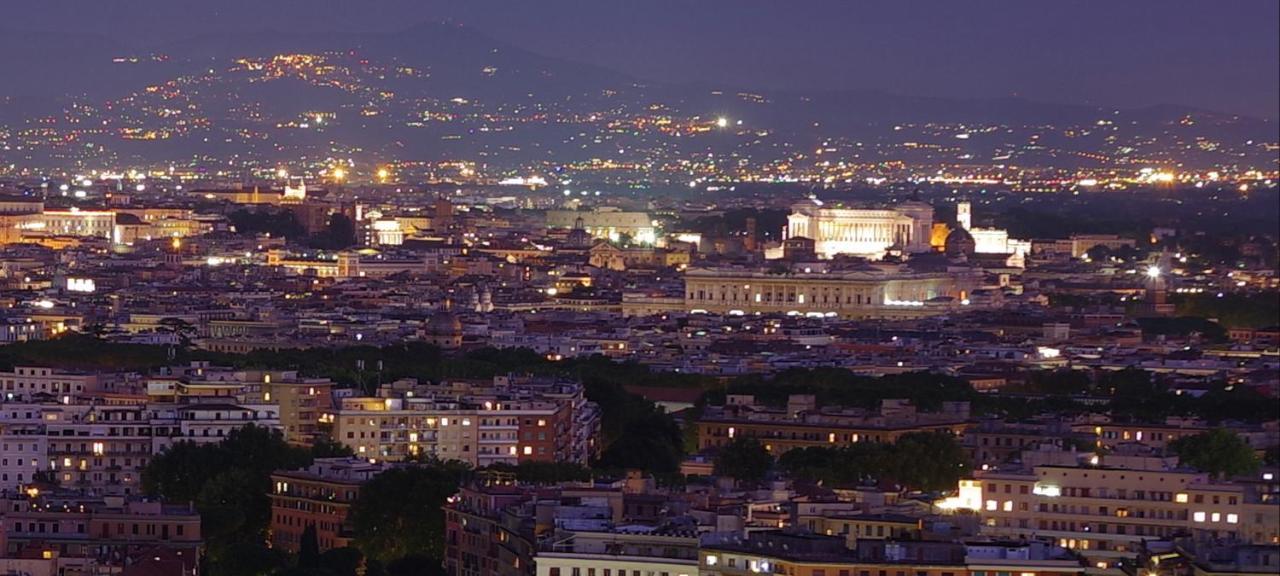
[
  {"x": 608, "y": 223},
  {"x": 864, "y": 232},
  {"x": 856, "y": 292}
]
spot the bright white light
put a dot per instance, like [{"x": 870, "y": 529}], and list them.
[
  {"x": 722, "y": 122},
  {"x": 81, "y": 285},
  {"x": 1047, "y": 490},
  {"x": 1153, "y": 272}
]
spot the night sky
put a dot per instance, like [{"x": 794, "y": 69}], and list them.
[{"x": 1216, "y": 54}]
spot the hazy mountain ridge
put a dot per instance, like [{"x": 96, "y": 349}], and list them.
[{"x": 443, "y": 91}]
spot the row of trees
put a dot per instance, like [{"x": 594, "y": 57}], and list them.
[{"x": 928, "y": 461}]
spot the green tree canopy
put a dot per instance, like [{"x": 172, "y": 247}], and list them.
[
  {"x": 230, "y": 483},
  {"x": 929, "y": 461},
  {"x": 398, "y": 513},
  {"x": 1220, "y": 452},
  {"x": 743, "y": 459}
]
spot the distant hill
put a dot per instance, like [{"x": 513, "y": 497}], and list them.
[{"x": 441, "y": 91}]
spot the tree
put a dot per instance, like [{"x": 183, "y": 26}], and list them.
[
  {"x": 1220, "y": 452},
  {"x": 399, "y": 513},
  {"x": 340, "y": 234},
  {"x": 743, "y": 459},
  {"x": 183, "y": 329},
  {"x": 344, "y": 561},
  {"x": 230, "y": 485},
  {"x": 277, "y": 223},
  {"x": 327, "y": 447},
  {"x": 851, "y": 465},
  {"x": 309, "y": 550},
  {"x": 928, "y": 461},
  {"x": 636, "y": 433},
  {"x": 234, "y": 506}
]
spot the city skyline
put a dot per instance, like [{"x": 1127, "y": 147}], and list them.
[{"x": 668, "y": 288}]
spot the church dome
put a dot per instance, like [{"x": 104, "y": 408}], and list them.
[
  {"x": 960, "y": 243},
  {"x": 444, "y": 322}
]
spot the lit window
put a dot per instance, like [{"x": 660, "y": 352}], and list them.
[
  {"x": 1198, "y": 516},
  {"x": 1008, "y": 505},
  {"x": 1216, "y": 517},
  {"x": 1180, "y": 498},
  {"x": 1233, "y": 519},
  {"x": 528, "y": 450},
  {"x": 712, "y": 559},
  {"x": 991, "y": 505}
]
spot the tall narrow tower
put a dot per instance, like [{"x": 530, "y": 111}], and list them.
[{"x": 964, "y": 215}]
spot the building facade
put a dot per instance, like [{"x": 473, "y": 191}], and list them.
[{"x": 863, "y": 232}]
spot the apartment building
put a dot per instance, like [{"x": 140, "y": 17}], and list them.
[
  {"x": 502, "y": 422},
  {"x": 28, "y": 383},
  {"x": 803, "y": 425},
  {"x": 320, "y": 495},
  {"x": 301, "y": 403},
  {"x": 96, "y": 532},
  {"x": 806, "y": 554},
  {"x": 1105, "y": 510}
]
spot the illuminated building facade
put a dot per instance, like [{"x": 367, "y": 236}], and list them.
[
  {"x": 992, "y": 240},
  {"x": 862, "y": 232},
  {"x": 864, "y": 293},
  {"x": 551, "y": 423},
  {"x": 1106, "y": 512},
  {"x": 607, "y": 223}
]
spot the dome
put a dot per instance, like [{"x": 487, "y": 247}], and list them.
[
  {"x": 579, "y": 238},
  {"x": 127, "y": 219},
  {"x": 960, "y": 243},
  {"x": 444, "y": 322}
]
